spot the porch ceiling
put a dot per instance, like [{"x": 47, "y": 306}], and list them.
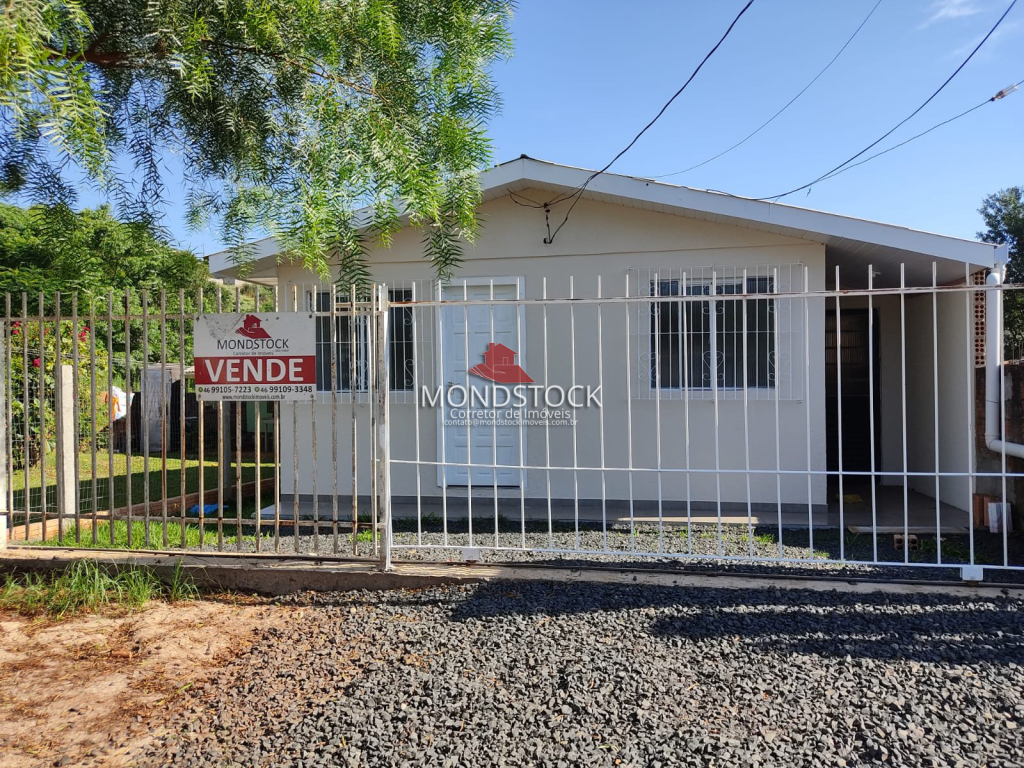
[{"x": 854, "y": 259}]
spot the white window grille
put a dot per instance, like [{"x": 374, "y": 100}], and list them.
[
  {"x": 403, "y": 337},
  {"x": 729, "y": 331}
]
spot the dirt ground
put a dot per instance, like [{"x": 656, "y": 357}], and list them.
[{"x": 90, "y": 690}]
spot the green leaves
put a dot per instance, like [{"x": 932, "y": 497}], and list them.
[
  {"x": 288, "y": 115},
  {"x": 53, "y": 249},
  {"x": 1003, "y": 213}
]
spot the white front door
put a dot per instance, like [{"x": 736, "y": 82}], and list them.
[{"x": 468, "y": 333}]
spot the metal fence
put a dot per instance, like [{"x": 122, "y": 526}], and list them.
[
  {"x": 108, "y": 445},
  {"x": 721, "y": 414}
]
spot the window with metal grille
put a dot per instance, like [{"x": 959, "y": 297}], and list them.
[
  {"x": 732, "y": 339},
  {"x": 353, "y": 337}
]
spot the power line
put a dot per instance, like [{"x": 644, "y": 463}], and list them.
[
  {"x": 1002, "y": 94},
  {"x": 771, "y": 119},
  {"x": 904, "y": 120},
  {"x": 578, "y": 192}
]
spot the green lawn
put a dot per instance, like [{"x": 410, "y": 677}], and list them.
[
  {"x": 119, "y": 471},
  {"x": 156, "y": 535}
]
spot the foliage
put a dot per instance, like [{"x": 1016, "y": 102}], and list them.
[
  {"x": 1003, "y": 213},
  {"x": 86, "y": 586},
  {"x": 287, "y": 114},
  {"x": 111, "y": 265},
  {"x": 159, "y": 333},
  {"x": 89, "y": 252},
  {"x": 34, "y": 365}
]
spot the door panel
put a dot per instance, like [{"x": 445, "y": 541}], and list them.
[{"x": 468, "y": 331}]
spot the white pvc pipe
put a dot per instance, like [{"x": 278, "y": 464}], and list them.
[{"x": 994, "y": 364}]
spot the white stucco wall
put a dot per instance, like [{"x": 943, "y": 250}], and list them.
[
  {"x": 952, "y": 407},
  {"x": 607, "y": 241}
]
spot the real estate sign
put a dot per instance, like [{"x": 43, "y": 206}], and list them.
[{"x": 255, "y": 356}]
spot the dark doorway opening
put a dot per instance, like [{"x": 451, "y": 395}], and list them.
[{"x": 853, "y": 349}]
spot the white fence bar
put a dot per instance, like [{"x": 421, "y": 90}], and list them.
[
  {"x": 807, "y": 413},
  {"x": 969, "y": 299},
  {"x": 871, "y": 410},
  {"x": 383, "y": 457},
  {"x": 903, "y": 416},
  {"x": 839, "y": 420},
  {"x": 935, "y": 412}
]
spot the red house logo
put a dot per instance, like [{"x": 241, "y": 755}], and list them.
[
  {"x": 252, "y": 329},
  {"x": 499, "y": 365}
]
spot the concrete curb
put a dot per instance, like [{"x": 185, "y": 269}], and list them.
[
  {"x": 283, "y": 574},
  {"x": 239, "y": 574}
]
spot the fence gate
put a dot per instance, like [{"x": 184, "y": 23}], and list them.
[{"x": 108, "y": 444}]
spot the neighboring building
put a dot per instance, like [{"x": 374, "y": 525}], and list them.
[{"x": 670, "y": 370}]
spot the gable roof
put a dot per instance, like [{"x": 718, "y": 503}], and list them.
[{"x": 854, "y": 243}]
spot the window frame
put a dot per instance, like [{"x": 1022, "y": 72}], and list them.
[
  {"x": 702, "y": 287},
  {"x": 314, "y": 297}
]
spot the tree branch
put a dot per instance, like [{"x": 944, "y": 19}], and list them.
[{"x": 121, "y": 59}]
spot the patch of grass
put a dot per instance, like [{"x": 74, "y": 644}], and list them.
[
  {"x": 182, "y": 586},
  {"x": 84, "y": 586},
  {"x": 32, "y": 477},
  {"x": 117, "y": 537},
  {"x": 953, "y": 551},
  {"x": 431, "y": 520},
  {"x": 768, "y": 539},
  {"x": 25, "y": 594},
  {"x": 365, "y": 536}
]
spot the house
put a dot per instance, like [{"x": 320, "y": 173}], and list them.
[{"x": 741, "y": 352}]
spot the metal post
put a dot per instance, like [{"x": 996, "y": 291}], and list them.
[
  {"x": 259, "y": 439},
  {"x": 353, "y": 394},
  {"x": 75, "y": 415},
  {"x": 127, "y": 418},
  {"x": 238, "y": 447},
  {"x": 144, "y": 406},
  {"x": 383, "y": 442},
  {"x": 201, "y": 407},
  {"x": 5, "y": 434}
]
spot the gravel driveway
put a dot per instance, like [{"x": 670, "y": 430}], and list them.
[
  {"x": 509, "y": 673},
  {"x": 701, "y": 547}
]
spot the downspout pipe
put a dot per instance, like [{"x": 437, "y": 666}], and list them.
[{"x": 994, "y": 438}]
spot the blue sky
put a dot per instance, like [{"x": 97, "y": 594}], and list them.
[{"x": 588, "y": 74}]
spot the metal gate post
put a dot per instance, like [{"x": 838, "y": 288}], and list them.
[
  {"x": 382, "y": 457},
  {"x": 5, "y": 426}
]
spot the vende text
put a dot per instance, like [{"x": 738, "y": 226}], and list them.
[{"x": 256, "y": 370}]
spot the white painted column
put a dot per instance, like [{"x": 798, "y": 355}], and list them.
[{"x": 66, "y": 441}]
